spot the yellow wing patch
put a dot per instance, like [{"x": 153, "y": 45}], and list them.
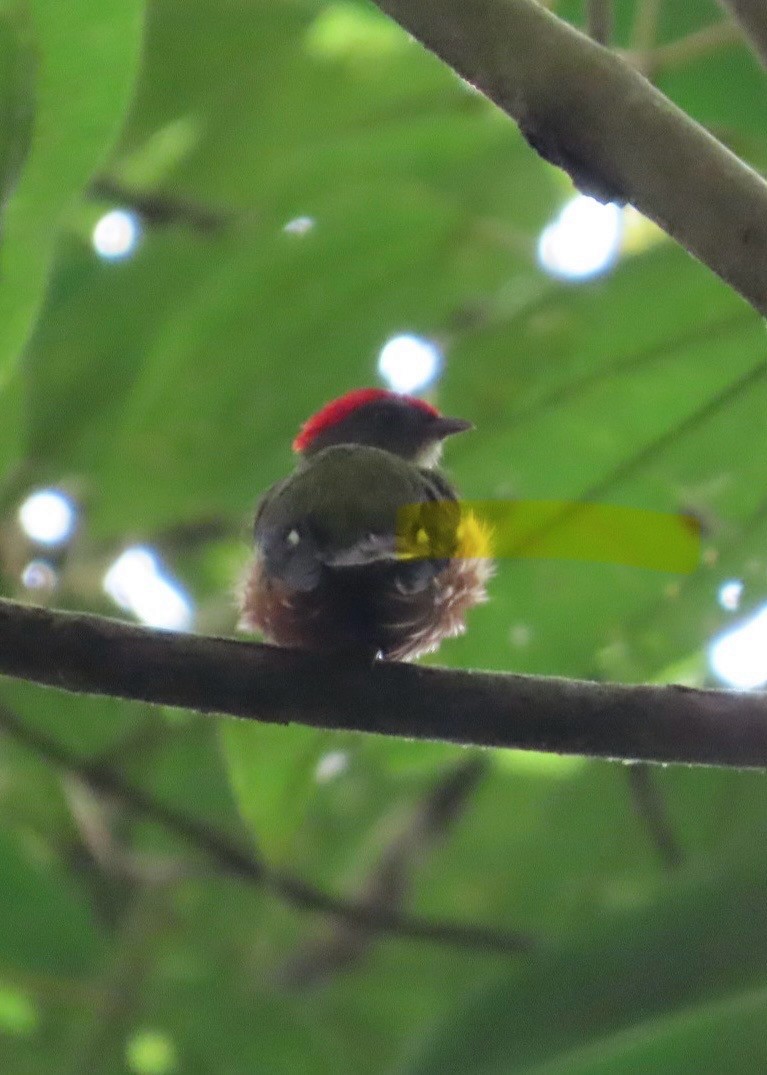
[
  {"x": 442, "y": 530},
  {"x": 474, "y": 537}
]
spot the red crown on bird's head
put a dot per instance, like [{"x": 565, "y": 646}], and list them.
[{"x": 338, "y": 409}]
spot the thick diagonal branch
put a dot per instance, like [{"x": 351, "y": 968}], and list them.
[
  {"x": 588, "y": 111},
  {"x": 93, "y": 655}
]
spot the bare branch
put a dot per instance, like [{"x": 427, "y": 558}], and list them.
[
  {"x": 751, "y": 16},
  {"x": 599, "y": 20},
  {"x": 645, "y": 29},
  {"x": 694, "y": 46},
  {"x": 651, "y": 808},
  {"x": 250, "y": 867},
  {"x": 340, "y": 946},
  {"x": 588, "y": 111},
  {"x": 93, "y": 655},
  {"x": 160, "y": 209},
  {"x": 91, "y": 816}
]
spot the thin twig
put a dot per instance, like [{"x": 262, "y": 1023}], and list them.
[
  {"x": 339, "y": 946},
  {"x": 730, "y": 394},
  {"x": 91, "y": 816},
  {"x": 90, "y": 654},
  {"x": 586, "y": 110},
  {"x": 650, "y": 807},
  {"x": 250, "y": 867},
  {"x": 161, "y": 209},
  {"x": 644, "y": 32},
  {"x": 751, "y": 17},
  {"x": 693, "y": 46},
  {"x": 599, "y": 20},
  {"x": 668, "y": 350}
]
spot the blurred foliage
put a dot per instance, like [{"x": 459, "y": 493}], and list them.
[{"x": 162, "y": 392}]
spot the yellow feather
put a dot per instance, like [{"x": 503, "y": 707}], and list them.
[
  {"x": 421, "y": 533},
  {"x": 474, "y": 537}
]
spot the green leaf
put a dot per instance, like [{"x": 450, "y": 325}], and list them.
[
  {"x": 677, "y": 955},
  {"x": 72, "y": 66},
  {"x": 85, "y": 725},
  {"x": 18, "y": 68},
  {"x": 45, "y": 925},
  {"x": 710, "y": 1038},
  {"x": 17, "y": 106},
  {"x": 272, "y": 770}
]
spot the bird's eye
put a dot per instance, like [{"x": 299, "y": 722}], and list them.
[{"x": 292, "y": 538}]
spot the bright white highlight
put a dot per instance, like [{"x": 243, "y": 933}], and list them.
[
  {"x": 300, "y": 225},
  {"x": 409, "y": 363},
  {"x": 730, "y": 593},
  {"x": 39, "y": 575},
  {"x": 48, "y": 517},
  {"x": 739, "y": 657},
  {"x": 117, "y": 234},
  {"x": 331, "y": 765},
  {"x": 583, "y": 241},
  {"x": 137, "y": 582}
]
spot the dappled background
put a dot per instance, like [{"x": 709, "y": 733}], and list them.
[{"x": 218, "y": 216}]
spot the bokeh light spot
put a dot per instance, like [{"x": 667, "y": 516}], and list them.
[
  {"x": 730, "y": 593},
  {"x": 331, "y": 765},
  {"x": 39, "y": 575},
  {"x": 583, "y": 241},
  {"x": 48, "y": 517},
  {"x": 300, "y": 225},
  {"x": 409, "y": 363},
  {"x": 117, "y": 234},
  {"x": 138, "y": 583},
  {"x": 739, "y": 656},
  {"x": 151, "y": 1052}
]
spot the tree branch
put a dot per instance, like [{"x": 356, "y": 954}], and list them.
[
  {"x": 250, "y": 867},
  {"x": 751, "y": 16},
  {"x": 339, "y": 946},
  {"x": 588, "y": 111},
  {"x": 644, "y": 32},
  {"x": 161, "y": 210},
  {"x": 94, "y": 655},
  {"x": 600, "y": 20},
  {"x": 651, "y": 808},
  {"x": 694, "y": 46}
]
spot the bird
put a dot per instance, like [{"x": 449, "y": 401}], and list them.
[{"x": 365, "y": 549}]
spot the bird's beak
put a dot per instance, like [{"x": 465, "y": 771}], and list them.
[{"x": 446, "y": 427}]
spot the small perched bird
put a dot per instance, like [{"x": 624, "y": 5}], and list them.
[{"x": 364, "y": 548}]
